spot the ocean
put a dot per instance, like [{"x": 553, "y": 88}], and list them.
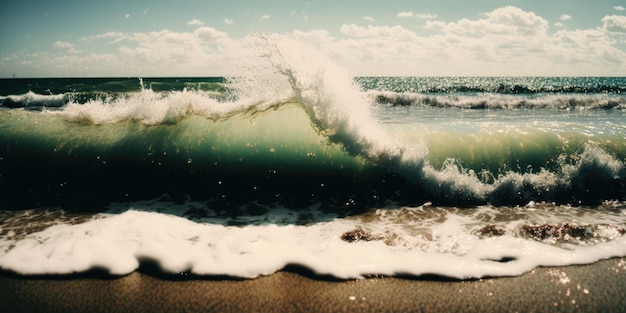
[{"x": 295, "y": 162}]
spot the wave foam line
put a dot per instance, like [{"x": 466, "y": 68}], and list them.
[
  {"x": 587, "y": 178},
  {"x": 152, "y": 108},
  {"x": 497, "y": 101},
  {"x": 119, "y": 244},
  {"x": 33, "y": 100}
]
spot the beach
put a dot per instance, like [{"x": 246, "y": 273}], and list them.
[{"x": 596, "y": 287}]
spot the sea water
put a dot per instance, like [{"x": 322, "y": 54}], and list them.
[{"x": 296, "y": 162}]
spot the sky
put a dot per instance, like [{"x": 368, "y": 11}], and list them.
[{"x": 120, "y": 38}]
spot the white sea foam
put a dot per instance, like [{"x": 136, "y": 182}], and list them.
[
  {"x": 500, "y": 101},
  {"x": 442, "y": 242},
  {"x": 326, "y": 92},
  {"x": 151, "y": 108}
]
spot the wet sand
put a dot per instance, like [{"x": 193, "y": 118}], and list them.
[{"x": 599, "y": 287}]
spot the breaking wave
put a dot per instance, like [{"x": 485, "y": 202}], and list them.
[{"x": 500, "y": 101}]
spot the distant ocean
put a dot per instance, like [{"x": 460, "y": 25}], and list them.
[{"x": 298, "y": 163}]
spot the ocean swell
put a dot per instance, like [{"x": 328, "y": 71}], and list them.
[
  {"x": 296, "y": 118},
  {"x": 33, "y": 100},
  {"x": 499, "y": 101}
]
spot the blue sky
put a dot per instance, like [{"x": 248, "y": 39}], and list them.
[{"x": 391, "y": 37}]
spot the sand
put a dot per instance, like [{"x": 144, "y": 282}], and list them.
[{"x": 598, "y": 287}]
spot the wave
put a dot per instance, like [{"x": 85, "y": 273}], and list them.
[
  {"x": 155, "y": 108},
  {"x": 110, "y": 152},
  {"x": 111, "y": 85},
  {"x": 523, "y": 86},
  {"x": 56, "y": 93},
  {"x": 84, "y": 101},
  {"x": 292, "y": 166},
  {"x": 33, "y": 100},
  {"x": 294, "y": 129},
  {"x": 498, "y": 101}
]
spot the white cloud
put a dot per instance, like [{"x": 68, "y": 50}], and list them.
[
  {"x": 195, "y": 22},
  {"x": 426, "y": 16},
  {"x": 505, "y": 41},
  {"x": 376, "y": 31},
  {"x": 421, "y": 16},
  {"x": 127, "y": 15},
  {"x": 586, "y": 47},
  {"x": 108, "y": 35},
  {"x": 199, "y": 52},
  {"x": 318, "y": 37},
  {"x": 209, "y": 34},
  {"x": 116, "y": 36},
  {"x": 565, "y": 17},
  {"x": 368, "y": 18},
  {"x": 174, "y": 53},
  {"x": 614, "y": 23},
  {"x": 504, "y": 21},
  {"x": 619, "y": 8},
  {"x": 228, "y": 21},
  {"x": 71, "y": 48},
  {"x": 64, "y": 45},
  {"x": 265, "y": 17}
]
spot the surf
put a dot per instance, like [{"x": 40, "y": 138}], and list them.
[
  {"x": 298, "y": 116},
  {"x": 461, "y": 244},
  {"x": 492, "y": 101},
  {"x": 296, "y": 164}
]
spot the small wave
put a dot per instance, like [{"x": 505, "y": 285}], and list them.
[
  {"x": 33, "y": 100},
  {"x": 589, "y": 177},
  {"x": 527, "y": 86},
  {"x": 497, "y": 101},
  {"x": 155, "y": 108}
]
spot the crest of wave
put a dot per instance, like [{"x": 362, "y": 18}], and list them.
[
  {"x": 299, "y": 73},
  {"x": 146, "y": 107},
  {"x": 156, "y": 108},
  {"x": 277, "y": 70}
]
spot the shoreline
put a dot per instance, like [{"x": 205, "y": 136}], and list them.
[{"x": 593, "y": 287}]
